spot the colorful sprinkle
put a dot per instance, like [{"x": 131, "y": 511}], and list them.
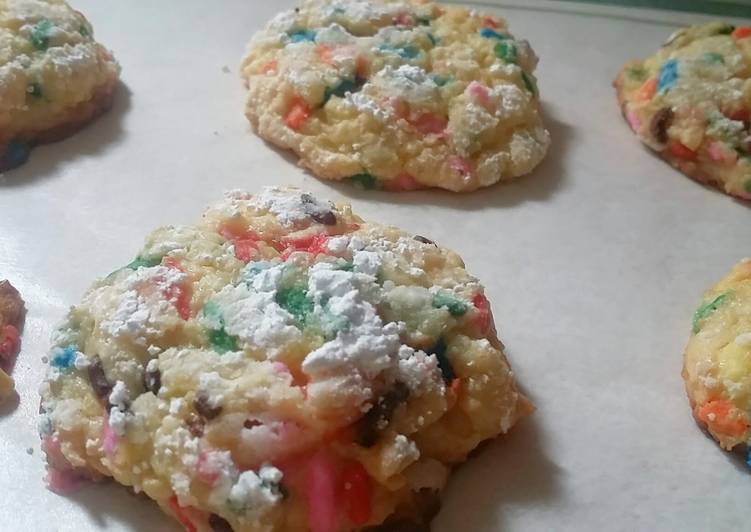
[
  {"x": 10, "y": 341},
  {"x": 144, "y": 262},
  {"x": 16, "y": 153},
  {"x": 406, "y": 52},
  {"x": 221, "y": 341},
  {"x": 459, "y": 165},
  {"x": 723, "y": 418},
  {"x": 506, "y": 50},
  {"x": 647, "y": 90},
  {"x": 455, "y": 307},
  {"x": 321, "y": 487},
  {"x": 64, "y": 358},
  {"x": 356, "y": 492},
  {"x": 403, "y": 182},
  {"x": 430, "y": 124},
  {"x": 633, "y": 120},
  {"x": 297, "y": 114},
  {"x": 682, "y": 152},
  {"x": 342, "y": 88},
  {"x": 180, "y": 294},
  {"x": 84, "y": 31},
  {"x": 720, "y": 152},
  {"x": 110, "y": 440},
  {"x": 489, "y": 33},
  {"x": 742, "y": 32},
  {"x": 295, "y": 300},
  {"x": 439, "y": 350},
  {"x": 708, "y": 308},
  {"x": 668, "y": 75},
  {"x": 302, "y": 35},
  {"x": 181, "y": 513},
  {"x": 482, "y": 305},
  {"x": 40, "y": 35},
  {"x": 440, "y": 79},
  {"x": 365, "y": 181}
]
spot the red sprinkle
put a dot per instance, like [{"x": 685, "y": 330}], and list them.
[
  {"x": 460, "y": 165},
  {"x": 742, "y": 32},
  {"x": 682, "y": 152},
  {"x": 481, "y": 94},
  {"x": 244, "y": 240},
  {"x": 10, "y": 341},
  {"x": 297, "y": 114},
  {"x": 403, "y": 182},
  {"x": 325, "y": 53},
  {"x": 182, "y": 293},
  {"x": 356, "y": 492},
  {"x": 182, "y": 514},
  {"x": 430, "y": 124},
  {"x": 314, "y": 244},
  {"x": 321, "y": 493},
  {"x": 270, "y": 67},
  {"x": 490, "y": 22},
  {"x": 483, "y": 312}
]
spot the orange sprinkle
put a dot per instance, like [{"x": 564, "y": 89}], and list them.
[
  {"x": 298, "y": 114},
  {"x": 325, "y": 53},
  {"x": 490, "y": 22},
  {"x": 270, "y": 67},
  {"x": 362, "y": 67},
  {"x": 648, "y": 89},
  {"x": 723, "y": 418},
  {"x": 682, "y": 152},
  {"x": 181, "y": 513},
  {"x": 742, "y": 32}
]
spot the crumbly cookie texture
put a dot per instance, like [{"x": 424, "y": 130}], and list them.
[
  {"x": 397, "y": 94},
  {"x": 54, "y": 77},
  {"x": 717, "y": 365},
  {"x": 12, "y": 311},
  {"x": 691, "y": 103},
  {"x": 282, "y": 365}
]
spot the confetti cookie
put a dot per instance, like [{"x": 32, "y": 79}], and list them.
[
  {"x": 691, "y": 103},
  {"x": 717, "y": 366},
  {"x": 282, "y": 365},
  {"x": 397, "y": 94},
  {"x": 54, "y": 77},
  {"x": 12, "y": 313}
]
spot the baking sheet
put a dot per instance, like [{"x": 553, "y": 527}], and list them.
[{"x": 594, "y": 265}]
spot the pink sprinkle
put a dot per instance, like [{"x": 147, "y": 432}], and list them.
[
  {"x": 321, "y": 493},
  {"x": 718, "y": 152},
  {"x": 55, "y": 457},
  {"x": 430, "y": 124},
  {"x": 481, "y": 93},
  {"x": 460, "y": 165},
  {"x": 109, "y": 439},
  {"x": 403, "y": 182},
  {"x": 207, "y": 468},
  {"x": 633, "y": 120},
  {"x": 63, "y": 482},
  {"x": 404, "y": 19}
]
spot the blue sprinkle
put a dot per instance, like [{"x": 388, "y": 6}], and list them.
[
  {"x": 15, "y": 155},
  {"x": 492, "y": 34},
  {"x": 748, "y": 456},
  {"x": 441, "y": 80},
  {"x": 668, "y": 75},
  {"x": 302, "y": 35},
  {"x": 253, "y": 269},
  {"x": 64, "y": 358}
]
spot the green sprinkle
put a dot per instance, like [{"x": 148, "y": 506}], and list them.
[
  {"x": 725, "y": 29},
  {"x": 747, "y": 186},
  {"x": 84, "y": 31},
  {"x": 714, "y": 57},
  {"x": 432, "y": 38},
  {"x": 441, "y": 80},
  {"x": 40, "y": 35},
  {"x": 34, "y": 89},
  {"x": 708, "y": 308},
  {"x": 295, "y": 300},
  {"x": 221, "y": 341},
  {"x": 506, "y": 50},
  {"x": 340, "y": 89},
  {"x": 346, "y": 267},
  {"x": 638, "y": 73},
  {"x": 454, "y": 306},
  {"x": 439, "y": 350},
  {"x": 144, "y": 262},
  {"x": 365, "y": 181},
  {"x": 529, "y": 83}
]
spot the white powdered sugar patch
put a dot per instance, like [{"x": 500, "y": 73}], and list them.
[
  {"x": 140, "y": 307},
  {"x": 334, "y": 34},
  {"x": 337, "y": 245},
  {"x": 119, "y": 396},
  {"x": 359, "y": 11},
  {"x": 419, "y": 371},
  {"x": 253, "y": 315},
  {"x": 367, "y": 346},
  {"x": 255, "y": 490},
  {"x": 367, "y": 262},
  {"x": 366, "y": 104},
  {"x": 212, "y": 388},
  {"x": 411, "y": 82},
  {"x": 290, "y": 205},
  {"x": 117, "y": 421}
]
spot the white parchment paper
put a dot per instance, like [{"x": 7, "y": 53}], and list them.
[{"x": 594, "y": 265}]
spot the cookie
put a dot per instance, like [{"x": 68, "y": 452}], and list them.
[
  {"x": 12, "y": 311},
  {"x": 54, "y": 77},
  {"x": 397, "y": 94},
  {"x": 282, "y": 365},
  {"x": 691, "y": 103},
  {"x": 717, "y": 365}
]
